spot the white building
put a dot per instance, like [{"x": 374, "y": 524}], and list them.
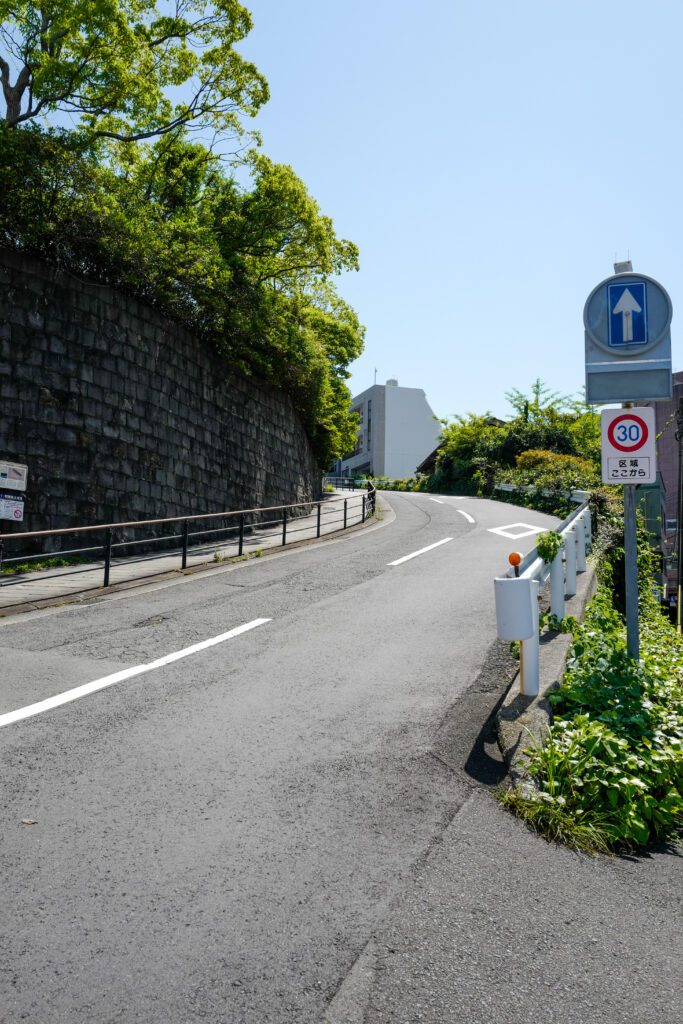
[{"x": 397, "y": 430}]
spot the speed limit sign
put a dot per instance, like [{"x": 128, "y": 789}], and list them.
[{"x": 628, "y": 446}]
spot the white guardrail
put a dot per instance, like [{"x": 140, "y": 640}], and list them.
[{"x": 517, "y": 611}]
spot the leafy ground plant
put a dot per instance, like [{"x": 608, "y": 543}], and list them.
[
  {"x": 611, "y": 774},
  {"x": 44, "y": 563},
  {"x": 548, "y": 544}
]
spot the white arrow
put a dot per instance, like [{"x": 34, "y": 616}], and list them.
[{"x": 626, "y": 306}]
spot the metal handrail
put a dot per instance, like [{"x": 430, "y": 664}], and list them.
[
  {"x": 152, "y": 522},
  {"x": 106, "y": 550}
]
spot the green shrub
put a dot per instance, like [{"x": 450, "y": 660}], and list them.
[{"x": 614, "y": 758}]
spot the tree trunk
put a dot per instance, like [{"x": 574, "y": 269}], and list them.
[{"x": 14, "y": 93}]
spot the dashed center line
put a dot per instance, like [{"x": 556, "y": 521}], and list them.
[
  {"x": 422, "y": 551},
  {"x": 117, "y": 677},
  {"x": 437, "y": 501},
  {"x": 467, "y": 516}
]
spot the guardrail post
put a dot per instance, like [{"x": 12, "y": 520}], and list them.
[
  {"x": 557, "y": 586},
  {"x": 318, "y": 519},
  {"x": 1, "y": 553},
  {"x": 284, "y": 527},
  {"x": 580, "y": 545},
  {"x": 346, "y": 500},
  {"x": 107, "y": 556},
  {"x": 240, "y": 543},
  {"x": 363, "y": 518},
  {"x": 186, "y": 533},
  {"x": 529, "y": 676},
  {"x": 570, "y": 558},
  {"x": 587, "y": 525}
]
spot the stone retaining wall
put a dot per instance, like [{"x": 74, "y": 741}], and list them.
[{"x": 121, "y": 414}]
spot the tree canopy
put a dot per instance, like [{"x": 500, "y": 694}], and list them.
[
  {"x": 561, "y": 433},
  {"x": 126, "y": 197},
  {"x": 128, "y": 69}
]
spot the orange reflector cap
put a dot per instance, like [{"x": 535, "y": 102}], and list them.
[{"x": 515, "y": 558}]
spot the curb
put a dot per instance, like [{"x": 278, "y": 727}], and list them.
[{"x": 524, "y": 721}]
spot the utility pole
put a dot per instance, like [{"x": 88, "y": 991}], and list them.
[{"x": 679, "y": 521}]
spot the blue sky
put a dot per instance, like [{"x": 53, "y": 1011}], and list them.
[{"x": 490, "y": 160}]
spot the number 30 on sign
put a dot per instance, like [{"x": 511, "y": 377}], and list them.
[{"x": 628, "y": 446}]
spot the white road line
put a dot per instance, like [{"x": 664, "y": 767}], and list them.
[
  {"x": 117, "y": 677},
  {"x": 437, "y": 501},
  {"x": 467, "y": 516},
  {"x": 421, "y": 551},
  {"x": 515, "y": 531}
]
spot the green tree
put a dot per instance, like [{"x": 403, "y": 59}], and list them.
[
  {"x": 541, "y": 403},
  {"x": 128, "y": 69},
  {"x": 285, "y": 315}
]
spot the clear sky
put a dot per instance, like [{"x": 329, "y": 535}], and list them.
[{"x": 490, "y": 160}]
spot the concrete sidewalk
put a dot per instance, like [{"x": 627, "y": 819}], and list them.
[
  {"x": 498, "y": 926},
  {"x": 35, "y": 589}
]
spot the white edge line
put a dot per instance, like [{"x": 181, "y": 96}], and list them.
[
  {"x": 406, "y": 558},
  {"x": 467, "y": 516},
  {"x": 116, "y": 677}
]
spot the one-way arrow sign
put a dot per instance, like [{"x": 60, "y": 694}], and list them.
[
  {"x": 628, "y": 316},
  {"x": 626, "y": 306}
]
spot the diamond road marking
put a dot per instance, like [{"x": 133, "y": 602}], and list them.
[{"x": 516, "y": 530}]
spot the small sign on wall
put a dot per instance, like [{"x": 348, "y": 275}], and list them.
[
  {"x": 12, "y": 506},
  {"x": 13, "y": 476}
]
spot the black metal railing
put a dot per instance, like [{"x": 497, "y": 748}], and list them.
[{"x": 281, "y": 524}]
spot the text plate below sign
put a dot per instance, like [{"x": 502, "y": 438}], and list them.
[
  {"x": 12, "y": 506},
  {"x": 628, "y": 446}
]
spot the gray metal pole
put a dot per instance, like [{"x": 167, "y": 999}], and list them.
[
  {"x": 679, "y": 515},
  {"x": 631, "y": 571}
]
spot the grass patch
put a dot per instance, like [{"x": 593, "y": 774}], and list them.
[
  {"x": 558, "y": 825},
  {"x": 43, "y": 563}
]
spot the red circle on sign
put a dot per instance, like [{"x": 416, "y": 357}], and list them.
[
  {"x": 622, "y": 447},
  {"x": 17, "y": 513}
]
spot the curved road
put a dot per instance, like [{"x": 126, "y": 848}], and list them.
[{"x": 218, "y": 837}]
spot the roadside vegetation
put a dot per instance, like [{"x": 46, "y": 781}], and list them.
[
  {"x": 233, "y": 246},
  {"x": 609, "y": 777}
]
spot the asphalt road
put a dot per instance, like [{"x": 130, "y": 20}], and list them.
[{"x": 217, "y": 838}]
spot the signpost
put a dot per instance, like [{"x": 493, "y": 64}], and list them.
[{"x": 628, "y": 359}]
